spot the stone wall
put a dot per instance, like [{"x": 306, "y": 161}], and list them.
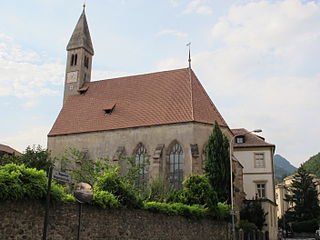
[{"x": 24, "y": 220}]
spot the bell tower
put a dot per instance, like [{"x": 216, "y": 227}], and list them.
[{"x": 79, "y": 59}]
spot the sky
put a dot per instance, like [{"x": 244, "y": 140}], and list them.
[{"x": 257, "y": 60}]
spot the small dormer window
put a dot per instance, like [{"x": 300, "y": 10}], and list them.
[
  {"x": 108, "y": 109},
  {"x": 240, "y": 139}
]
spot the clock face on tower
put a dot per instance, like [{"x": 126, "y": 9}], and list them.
[{"x": 72, "y": 77}]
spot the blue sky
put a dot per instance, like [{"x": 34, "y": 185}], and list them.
[{"x": 257, "y": 59}]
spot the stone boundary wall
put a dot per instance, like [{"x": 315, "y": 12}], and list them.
[{"x": 24, "y": 220}]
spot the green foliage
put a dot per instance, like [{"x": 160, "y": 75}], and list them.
[
  {"x": 89, "y": 170},
  {"x": 194, "y": 211},
  {"x": 35, "y": 157},
  {"x": 247, "y": 226},
  {"x": 105, "y": 199},
  {"x": 309, "y": 226},
  {"x": 253, "y": 213},
  {"x": 222, "y": 212},
  {"x": 303, "y": 197},
  {"x": 217, "y": 163},
  {"x": 313, "y": 165},
  {"x": 68, "y": 198},
  {"x": 113, "y": 183},
  {"x": 57, "y": 193},
  {"x": 132, "y": 171},
  {"x": 18, "y": 182},
  {"x": 197, "y": 190},
  {"x": 157, "y": 190}
]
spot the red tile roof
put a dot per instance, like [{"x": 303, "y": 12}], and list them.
[
  {"x": 167, "y": 97},
  {"x": 8, "y": 149},
  {"x": 251, "y": 140}
]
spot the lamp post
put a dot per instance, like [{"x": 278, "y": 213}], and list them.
[{"x": 231, "y": 179}]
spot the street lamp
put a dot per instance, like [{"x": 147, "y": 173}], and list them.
[{"x": 231, "y": 178}]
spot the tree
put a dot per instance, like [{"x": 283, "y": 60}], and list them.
[
  {"x": 303, "y": 197},
  {"x": 217, "y": 163},
  {"x": 35, "y": 157},
  {"x": 254, "y": 213}
]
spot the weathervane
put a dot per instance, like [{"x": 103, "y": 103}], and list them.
[
  {"x": 189, "y": 60},
  {"x": 84, "y": 4}
]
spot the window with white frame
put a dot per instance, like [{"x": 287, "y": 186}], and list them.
[
  {"x": 261, "y": 190},
  {"x": 259, "y": 161}
]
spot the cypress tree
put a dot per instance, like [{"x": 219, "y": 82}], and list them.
[
  {"x": 303, "y": 197},
  {"x": 217, "y": 163}
]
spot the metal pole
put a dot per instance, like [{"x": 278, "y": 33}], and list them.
[
  {"x": 79, "y": 221},
  {"x": 231, "y": 190},
  {"x": 46, "y": 215}
]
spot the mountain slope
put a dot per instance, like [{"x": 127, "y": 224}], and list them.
[
  {"x": 283, "y": 167},
  {"x": 313, "y": 165}
]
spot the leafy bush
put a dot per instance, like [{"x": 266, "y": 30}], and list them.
[
  {"x": 68, "y": 198},
  {"x": 247, "y": 226},
  {"x": 157, "y": 190},
  {"x": 105, "y": 199},
  {"x": 222, "y": 212},
  {"x": 194, "y": 211},
  {"x": 198, "y": 190},
  {"x": 306, "y": 226},
  {"x": 35, "y": 157},
  {"x": 17, "y": 182},
  {"x": 57, "y": 193},
  {"x": 113, "y": 183}
]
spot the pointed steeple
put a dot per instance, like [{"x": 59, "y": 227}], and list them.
[{"x": 81, "y": 36}]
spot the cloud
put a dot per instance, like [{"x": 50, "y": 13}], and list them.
[
  {"x": 264, "y": 73},
  {"x": 172, "y": 32},
  {"x": 28, "y": 136},
  {"x": 197, "y": 6},
  {"x": 25, "y": 73}
]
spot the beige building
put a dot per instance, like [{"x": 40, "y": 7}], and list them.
[
  {"x": 256, "y": 157},
  {"x": 282, "y": 189}
]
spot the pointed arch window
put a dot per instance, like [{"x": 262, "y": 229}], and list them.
[
  {"x": 141, "y": 160},
  {"x": 176, "y": 166}
]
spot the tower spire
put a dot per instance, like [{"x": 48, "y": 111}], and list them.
[
  {"x": 81, "y": 36},
  {"x": 189, "y": 59}
]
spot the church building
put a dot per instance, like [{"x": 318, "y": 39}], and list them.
[{"x": 165, "y": 115}]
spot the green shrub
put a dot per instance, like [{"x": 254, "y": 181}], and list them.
[
  {"x": 194, "y": 211},
  {"x": 306, "y": 226},
  {"x": 158, "y": 190},
  {"x": 17, "y": 182},
  {"x": 105, "y": 199},
  {"x": 113, "y": 183},
  {"x": 68, "y": 198},
  {"x": 222, "y": 212},
  {"x": 247, "y": 226},
  {"x": 198, "y": 190},
  {"x": 57, "y": 193}
]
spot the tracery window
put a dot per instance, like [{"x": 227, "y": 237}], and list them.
[
  {"x": 141, "y": 160},
  {"x": 176, "y": 166}
]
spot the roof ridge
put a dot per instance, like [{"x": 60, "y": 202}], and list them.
[{"x": 139, "y": 75}]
